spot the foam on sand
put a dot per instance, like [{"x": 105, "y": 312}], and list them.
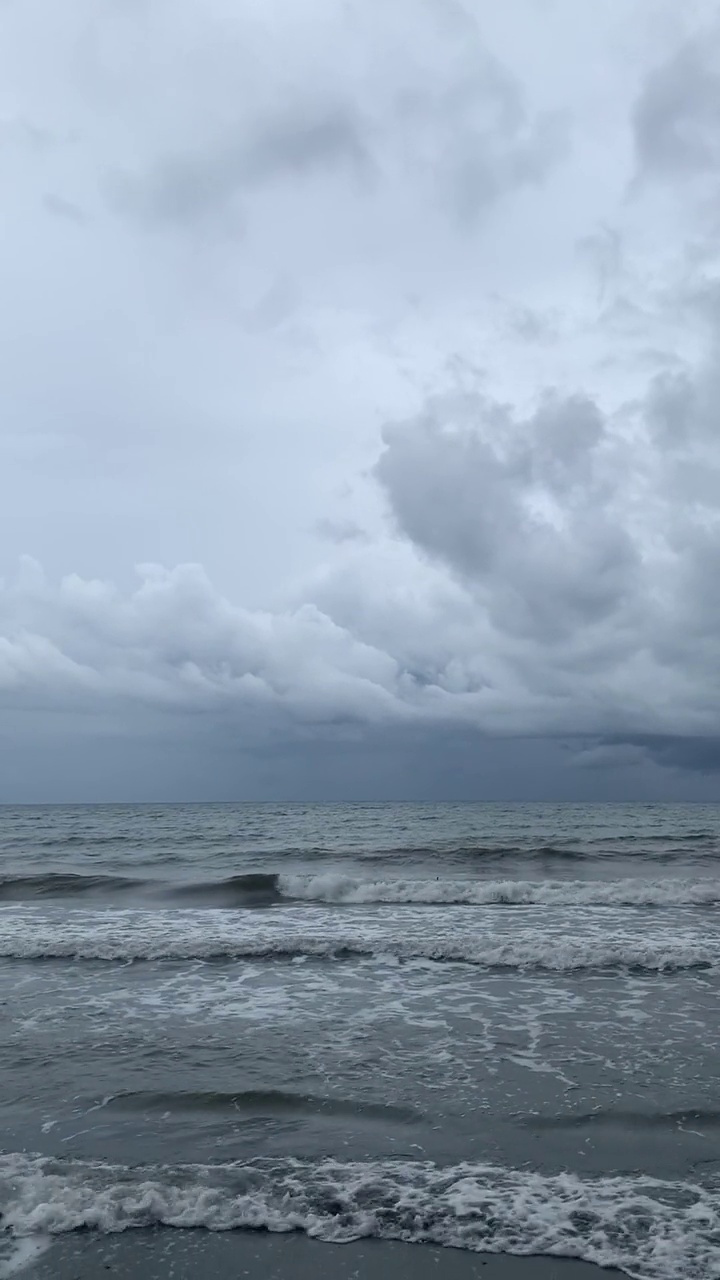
[{"x": 652, "y": 1230}]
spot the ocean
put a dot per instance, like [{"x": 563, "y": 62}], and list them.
[{"x": 493, "y": 1028}]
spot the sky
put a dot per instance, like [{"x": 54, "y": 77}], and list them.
[{"x": 359, "y": 387}]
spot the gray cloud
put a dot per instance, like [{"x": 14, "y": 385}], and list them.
[
  {"x": 454, "y": 126},
  {"x": 340, "y": 531},
  {"x": 308, "y": 140},
  {"x": 580, "y": 546},
  {"x": 692, "y": 755},
  {"x": 302, "y": 144},
  {"x": 677, "y": 115},
  {"x": 58, "y": 207},
  {"x": 522, "y": 507},
  {"x": 175, "y": 642},
  {"x": 457, "y": 509},
  {"x": 533, "y": 326}
]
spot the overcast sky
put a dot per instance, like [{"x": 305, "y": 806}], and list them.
[{"x": 359, "y": 399}]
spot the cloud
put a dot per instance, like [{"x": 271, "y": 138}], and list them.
[
  {"x": 340, "y": 531},
  {"x": 327, "y": 331},
  {"x": 610, "y": 756},
  {"x": 588, "y": 541},
  {"x": 395, "y": 103},
  {"x": 58, "y": 207},
  {"x": 523, "y": 510},
  {"x": 677, "y": 114},
  {"x": 190, "y": 188},
  {"x": 175, "y": 642},
  {"x": 533, "y": 326},
  {"x": 553, "y": 577}
]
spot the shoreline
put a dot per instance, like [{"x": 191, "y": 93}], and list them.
[{"x": 160, "y": 1253}]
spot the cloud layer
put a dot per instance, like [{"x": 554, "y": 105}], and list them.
[{"x": 393, "y": 336}]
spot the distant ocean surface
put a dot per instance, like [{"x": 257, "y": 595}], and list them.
[{"x": 494, "y": 1027}]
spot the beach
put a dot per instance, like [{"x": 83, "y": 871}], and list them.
[{"x": 184, "y": 1255}]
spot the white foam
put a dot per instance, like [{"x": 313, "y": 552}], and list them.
[
  {"x": 530, "y": 940},
  {"x": 444, "y": 1024},
  {"x": 650, "y": 1229},
  {"x": 335, "y": 887}
]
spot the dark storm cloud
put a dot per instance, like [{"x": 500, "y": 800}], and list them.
[
  {"x": 696, "y": 755},
  {"x": 685, "y": 754},
  {"x": 61, "y": 756}
]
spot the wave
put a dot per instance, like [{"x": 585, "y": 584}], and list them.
[
  {"x": 480, "y": 852},
  {"x": 705, "y": 1117},
  {"x": 20, "y": 888},
  {"x": 253, "y": 889},
  {"x": 313, "y": 932},
  {"x": 261, "y": 889},
  {"x": 650, "y": 1229},
  {"x": 698, "y": 836},
  {"x": 256, "y": 1102},
  {"x": 73, "y": 839},
  {"x": 347, "y": 889},
  {"x": 652, "y": 847}
]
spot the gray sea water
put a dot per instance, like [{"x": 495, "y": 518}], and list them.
[{"x": 488, "y": 1027}]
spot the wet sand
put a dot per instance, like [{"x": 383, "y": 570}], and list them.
[{"x": 189, "y": 1255}]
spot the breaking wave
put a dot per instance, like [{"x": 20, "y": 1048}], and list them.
[
  {"x": 342, "y": 888},
  {"x": 261, "y": 889},
  {"x": 309, "y": 931},
  {"x": 652, "y": 1230}
]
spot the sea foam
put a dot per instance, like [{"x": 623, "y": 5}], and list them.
[
  {"x": 530, "y": 939},
  {"x": 652, "y": 1230}
]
